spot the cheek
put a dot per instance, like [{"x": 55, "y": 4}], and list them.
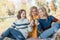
[
  {"x": 24, "y": 15},
  {"x": 33, "y": 13},
  {"x": 21, "y": 15},
  {"x": 41, "y": 13}
]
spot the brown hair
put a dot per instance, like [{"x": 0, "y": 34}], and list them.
[
  {"x": 20, "y": 12},
  {"x": 34, "y": 7},
  {"x": 44, "y": 10}
]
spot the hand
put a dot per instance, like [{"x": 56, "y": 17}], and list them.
[
  {"x": 36, "y": 22},
  {"x": 13, "y": 26},
  {"x": 0, "y": 36},
  {"x": 32, "y": 23},
  {"x": 58, "y": 32}
]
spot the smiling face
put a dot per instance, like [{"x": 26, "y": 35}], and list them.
[
  {"x": 33, "y": 12},
  {"x": 23, "y": 14},
  {"x": 42, "y": 12}
]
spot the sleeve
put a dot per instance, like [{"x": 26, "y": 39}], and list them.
[
  {"x": 53, "y": 19},
  {"x": 39, "y": 26},
  {"x": 13, "y": 25},
  {"x": 29, "y": 26}
]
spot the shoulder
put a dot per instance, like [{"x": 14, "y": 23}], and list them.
[
  {"x": 39, "y": 20},
  {"x": 51, "y": 16},
  {"x": 26, "y": 20},
  {"x": 15, "y": 21}
]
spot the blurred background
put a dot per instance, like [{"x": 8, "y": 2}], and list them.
[{"x": 9, "y": 9}]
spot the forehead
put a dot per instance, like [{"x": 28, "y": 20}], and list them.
[
  {"x": 34, "y": 9},
  {"x": 40, "y": 10},
  {"x": 23, "y": 12}
]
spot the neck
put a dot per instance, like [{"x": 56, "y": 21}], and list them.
[
  {"x": 22, "y": 18},
  {"x": 43, "y": 17},
  {"x": 34, "y": 15}
]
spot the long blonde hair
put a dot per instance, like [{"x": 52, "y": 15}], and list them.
[
  {"x": 44, "y": 10},
  {"x": 34, "y": 7}
]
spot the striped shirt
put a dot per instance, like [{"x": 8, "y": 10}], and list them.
[{"x": 23, "y": 26}]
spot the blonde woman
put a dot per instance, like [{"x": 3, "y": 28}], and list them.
[
  {"x": 33, "y": 18},
  {"x": 44, "y": 23}
]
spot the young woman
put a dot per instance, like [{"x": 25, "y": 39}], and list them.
[
  {"x": 44, "y": 23},
  {"x": 33, "y": 18},
  {"x": 20, "y": 28}
]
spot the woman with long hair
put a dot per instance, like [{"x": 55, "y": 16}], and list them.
[
  {"x": 33, "y": 18},
  {"x": 45, "y": 23},
  {"x": 19, "y": 29}
]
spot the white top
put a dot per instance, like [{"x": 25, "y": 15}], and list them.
[{"x": 24, "y": 29}]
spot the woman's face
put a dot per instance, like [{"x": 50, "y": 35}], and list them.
[
  {"x": 23, "y": 14},
  {"x": 34, "y": 12},
  {"x": 41, "y": 13}
]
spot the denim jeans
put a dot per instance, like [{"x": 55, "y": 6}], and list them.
[
  {"x": 50, "y": 31},
  {"x": 12, "y": 33}
]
